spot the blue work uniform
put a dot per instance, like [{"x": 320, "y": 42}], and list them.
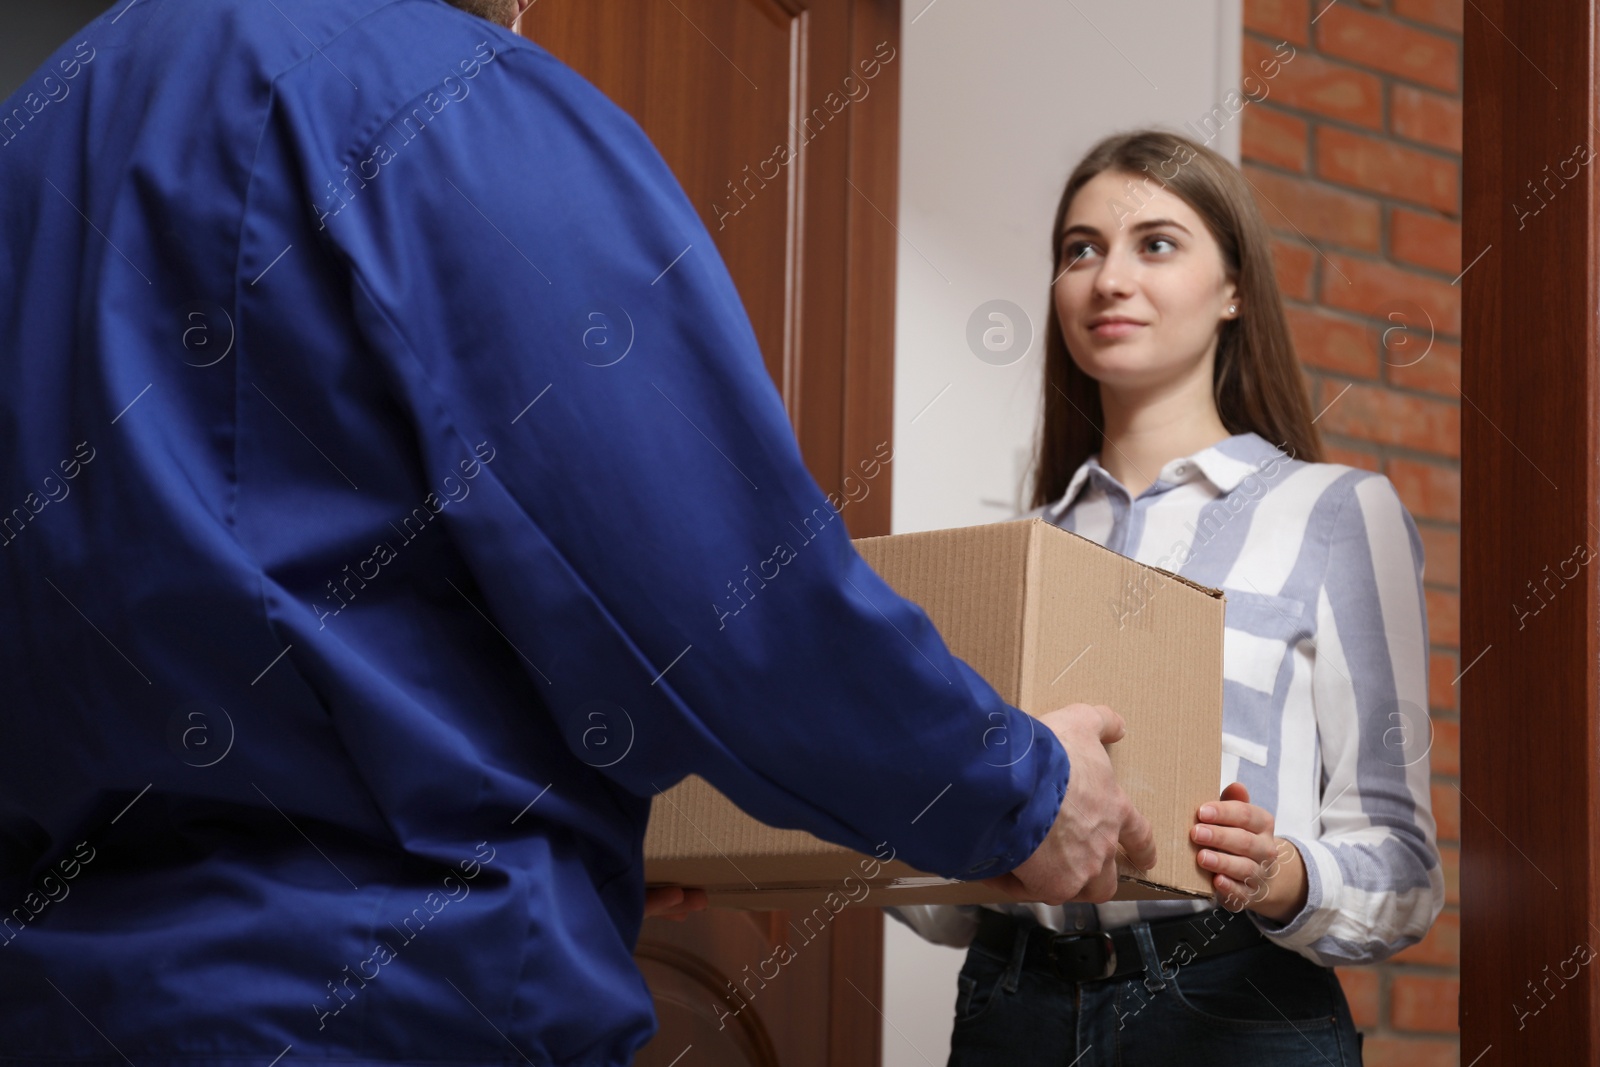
[{"x": 394, "y": 500}]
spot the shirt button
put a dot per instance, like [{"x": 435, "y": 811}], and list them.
[
  {"x": 1181, "y": 469},
  {"x": 1078, "y": 923}
]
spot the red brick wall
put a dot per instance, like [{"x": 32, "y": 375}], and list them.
[{"x": 1355, "y": 155}]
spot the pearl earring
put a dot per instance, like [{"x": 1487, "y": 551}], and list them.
[{"x": 1232, "y": 309}]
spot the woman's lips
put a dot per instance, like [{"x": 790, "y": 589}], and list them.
[{"x": 1115, "y": 329}]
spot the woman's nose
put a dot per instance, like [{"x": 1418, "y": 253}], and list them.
[{"x": 1114, "y": 279}]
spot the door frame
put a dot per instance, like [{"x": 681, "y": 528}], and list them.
[{"x": 1529, "y": 684}]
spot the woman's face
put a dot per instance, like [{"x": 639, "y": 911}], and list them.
[{"x": 1142, "y": 289}]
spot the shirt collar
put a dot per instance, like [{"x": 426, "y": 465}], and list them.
[
  {"x": 1224, "y": 464},
  {"x": 1233, "y": 459},
  {"x": 1080, "y": 478}
]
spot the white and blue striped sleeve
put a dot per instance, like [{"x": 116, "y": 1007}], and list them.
[{"x": 1375, "y": 884}]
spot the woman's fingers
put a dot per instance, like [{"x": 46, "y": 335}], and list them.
[
  {"x": 1238, "y": 846},
  {"x": 1257, "y": 848},
  {"x": 1237, "y": 813},
  {"x": 673, "y": 902},
  {"x": 693, "y": 900},
  {"x": 1235, "y": 896},
  {"x": 1239, "y": 868},
  {"x": 661, "y": 901}
]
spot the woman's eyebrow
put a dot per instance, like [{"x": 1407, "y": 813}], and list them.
[
  {"x": 1148, "y": 224},
  {"x": 1163, "y": 223}
]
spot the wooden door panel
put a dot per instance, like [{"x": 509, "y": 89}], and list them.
[
  {"x": 720, "y": 987},
  {"x": 1530, "y": 438},
  {"x": 793, "y": 169},
  {"x": 671, "y": 66},
  {"x": 748, "y": 102},
  {"x": 691, "y": 994}
]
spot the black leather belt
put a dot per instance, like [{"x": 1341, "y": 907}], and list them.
[{"x": 1101, "y": 954}]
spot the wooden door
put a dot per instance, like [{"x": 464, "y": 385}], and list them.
[
  {"x": 780, "y": 119},
  {"x": 1530, "y": 531}
]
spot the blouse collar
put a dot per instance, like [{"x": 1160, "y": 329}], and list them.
[{"x": 1224, "y": 464}]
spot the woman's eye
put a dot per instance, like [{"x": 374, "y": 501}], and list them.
[
  {"x": 1076, "y": 251},
  {"x": 1162, "y": 241}
]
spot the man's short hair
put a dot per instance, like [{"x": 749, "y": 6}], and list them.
[{"x": 500, "y": 12}]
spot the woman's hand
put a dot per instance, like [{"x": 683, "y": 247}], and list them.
[
  {"x": 673, "y": 902},
  {"x": 1250, "y": 868}
]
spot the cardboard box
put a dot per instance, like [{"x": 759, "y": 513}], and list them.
[{"x": 1048, "y": 618}]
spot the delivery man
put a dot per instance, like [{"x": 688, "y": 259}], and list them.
[{"x": 387, "y": 458}]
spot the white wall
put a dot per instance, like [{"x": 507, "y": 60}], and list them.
[{"x": 1000, "y": 99}]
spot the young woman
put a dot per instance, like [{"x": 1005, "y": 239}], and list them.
[{"x": 1177, "y": 430}]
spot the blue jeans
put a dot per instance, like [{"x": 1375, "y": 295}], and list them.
[{"x": 1258, "y": 1005}]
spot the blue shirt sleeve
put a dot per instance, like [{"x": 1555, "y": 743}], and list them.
[{"x": 534, "y": 285}]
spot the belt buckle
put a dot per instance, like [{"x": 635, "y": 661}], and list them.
[{"x": 1105, "y": 941}]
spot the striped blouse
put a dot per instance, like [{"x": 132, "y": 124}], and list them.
[{"x": 1325, "y": 683}]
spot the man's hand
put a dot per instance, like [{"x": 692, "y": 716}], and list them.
[
  {"x": 1077, "y": 861},
  {"x": 673, "y": 902}
]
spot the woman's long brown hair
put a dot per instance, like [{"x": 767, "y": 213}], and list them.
[{"x": 1256, "y": 382}]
